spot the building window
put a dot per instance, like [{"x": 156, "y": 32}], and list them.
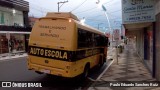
[
  {"x": 2, "y": 18},
  {"x": 17, "y": 43},
  {"x": 7, "y": 17}
]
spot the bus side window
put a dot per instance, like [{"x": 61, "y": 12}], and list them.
[
  {"x": 89, "y": 39},
  {"x": 85, "y": 39},
  {"x": 81, "y": 38}
]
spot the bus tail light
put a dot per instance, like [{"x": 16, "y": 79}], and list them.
[{"x": 69, "y": 20}]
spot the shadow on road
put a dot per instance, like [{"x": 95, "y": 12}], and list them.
[{"x": 61, "y": 83}]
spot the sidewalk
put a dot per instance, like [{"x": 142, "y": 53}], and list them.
[
  {"x": 129, "y": 68},
  {"x": 11, "y": 56}
]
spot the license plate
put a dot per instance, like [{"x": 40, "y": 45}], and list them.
[{"x": 46, "y": 71}]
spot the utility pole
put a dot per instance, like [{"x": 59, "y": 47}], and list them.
[{"x": 61, "y": 4}]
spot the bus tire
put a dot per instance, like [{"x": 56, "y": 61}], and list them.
[{"x": 85, "y": 72}]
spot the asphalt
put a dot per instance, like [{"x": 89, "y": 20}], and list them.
[{"x": 130, "y": 73}]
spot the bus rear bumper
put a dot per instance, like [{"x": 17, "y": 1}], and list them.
[{"x": 49, "y": 70}]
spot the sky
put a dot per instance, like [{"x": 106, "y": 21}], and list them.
[{"x": 88, "y": 9}]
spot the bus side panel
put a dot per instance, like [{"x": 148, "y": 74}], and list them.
[{"x": 79, "y": 65}]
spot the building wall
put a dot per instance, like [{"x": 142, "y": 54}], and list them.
[
  {"x": 32, "y": 20},
  {"x": 157, "y": 42},
  {"x": 148, "y": 47},
  {"x": 158, "y": 46},
  {"x": 20, "y": 5}
]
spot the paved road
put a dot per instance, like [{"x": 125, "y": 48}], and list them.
[{"x": 16, "y": 70}]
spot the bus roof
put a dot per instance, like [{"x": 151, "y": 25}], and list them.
[
  {"x": 70, "y": 15},
  {"x": 62, "y": 15}
]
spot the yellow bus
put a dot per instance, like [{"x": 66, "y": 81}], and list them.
[{"x": 60, "y": 45}]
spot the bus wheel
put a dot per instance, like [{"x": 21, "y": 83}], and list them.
[{"x": 86, "y": 72}]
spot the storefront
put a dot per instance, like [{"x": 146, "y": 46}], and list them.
[
  {"x": 13, "y": 42},
  {"x": 138, "y": 18}
]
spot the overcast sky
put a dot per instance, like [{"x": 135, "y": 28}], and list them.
[{"x": 88, "y": 9}]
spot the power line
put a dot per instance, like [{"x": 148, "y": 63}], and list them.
[
  {"x": 78, "y": 6},
  {"x": 41, "y": 11},
  {"x": 87, "y": 10},
  {"x": 93, "y": 8},
  {"x": 95, "y": 20},
  {"x": 108, "y": 1},
  {"x": 38, "y": 9},
  {"x": 110, "y": 14},
  {"x": 44, "y": 10},
  {"x": 39, "y": 6},
  {"x": 113, "y": 15}
]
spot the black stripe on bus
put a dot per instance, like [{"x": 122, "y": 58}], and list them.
[{"x": 63, "y": 54}]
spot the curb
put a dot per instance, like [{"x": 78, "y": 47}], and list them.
[
  {"x": 113, "y": 56},
  {"x": 3, "y": 58}
]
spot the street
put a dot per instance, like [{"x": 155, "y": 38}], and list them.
[
  {"x": 16, "y": 70},
  {"x": 47, "y": 44}
]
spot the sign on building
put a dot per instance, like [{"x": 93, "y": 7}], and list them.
[{"x": 138, "y": 11}]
